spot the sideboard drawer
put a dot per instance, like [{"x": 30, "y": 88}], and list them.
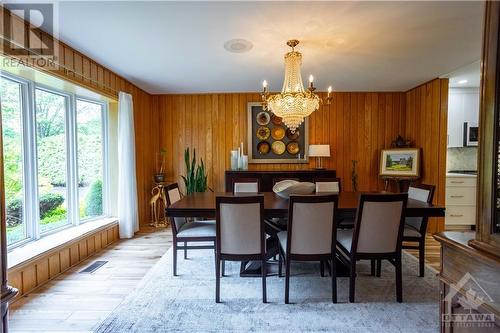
[
  {"x": 460, "y": 215},
  {"x": 461, "y": 181},
  {"x": 460, "y": 196}
]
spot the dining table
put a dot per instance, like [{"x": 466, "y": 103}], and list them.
[{"x": 202, "y": 205}]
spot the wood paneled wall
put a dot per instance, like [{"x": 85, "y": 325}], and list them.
[
  {"x": 73, "y": 66},
  {"x": 426, "y": 125},
  {"x": 356, "y": 125}
]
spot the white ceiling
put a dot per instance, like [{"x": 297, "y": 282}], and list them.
[
  {"x": 177, "y": 47},
  {"x": 466, "y": 77}
]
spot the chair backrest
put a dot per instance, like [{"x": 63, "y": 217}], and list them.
[
  {"x": 246, "y": 185},
  {"x": 379, "y": 223},
  {"x": 331, "y": 185},
  {"x": 240, "y": 225},
  {"x": 311, "y": 224},
  {"x": 420, "y": 192},
  {"x": 173, "y": 195}
]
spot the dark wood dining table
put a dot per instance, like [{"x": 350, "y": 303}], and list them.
[{"x": 202, "y": 205}]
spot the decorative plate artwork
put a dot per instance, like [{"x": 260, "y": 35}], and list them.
[
  {"x": 293, "y": 148},
  {"x": 263, "y": 133},
  {"x": 278, "y": 133},
  {"x": 263, "y": 147},
  {"x": 276, "y": 120},
  {"x": 263, "y": 118},
  {"x": 278, "y": 147},
  {"x": 292, "y": 136}
]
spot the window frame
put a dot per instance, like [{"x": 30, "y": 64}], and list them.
[{"x": 31, "y": 210}]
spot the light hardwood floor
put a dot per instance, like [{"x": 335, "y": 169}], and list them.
[{"x": 76, "y": 302}]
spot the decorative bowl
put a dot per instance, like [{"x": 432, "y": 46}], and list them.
[{"x": 287, "y": 187}]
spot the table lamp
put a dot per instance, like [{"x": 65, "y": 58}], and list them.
[{"x": 319, "y": 151}]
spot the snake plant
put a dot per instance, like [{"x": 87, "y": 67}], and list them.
[{"x": 196, "y": 177}]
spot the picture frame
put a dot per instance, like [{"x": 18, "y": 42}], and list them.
[
  {"x": 271, "y": 137},
  {"x": 400, "y": 162}
]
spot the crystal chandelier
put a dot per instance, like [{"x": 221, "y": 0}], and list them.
[{"x": 294, "y": 103}]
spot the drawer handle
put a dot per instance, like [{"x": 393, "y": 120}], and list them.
[
  {"x": 456, "y": 215},
  {"x": 456, "y": 196},
  {"x": 457, "y": 182}
]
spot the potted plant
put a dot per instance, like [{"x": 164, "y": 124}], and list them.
[
  {"x": 195, "y": 179},
  {"x": 161, "y": 176}
]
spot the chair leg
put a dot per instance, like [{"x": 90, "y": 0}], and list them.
[
  {"x": 334, "y": 279},
  {"x": 287, "y": 280},
  {"x": 421, "y": 257},
  {"x": 264, "y": 275},
  {"x": 399, "y": 280},
  {"x": 175, "y": 258},
  {"x": 280, "y": 264},
  {"x": 223, "y": 267},
  {"x": 352, "y": 280},
  {"x": 372, "y": 267},
  {"x": 379, "y": 267},
  {"x": 185, "y": 251},
  {"x": 217, "y": 280},
  {"x": 322, "y": 268}
]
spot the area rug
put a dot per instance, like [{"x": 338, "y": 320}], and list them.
[{"x": 186, "y": 303}]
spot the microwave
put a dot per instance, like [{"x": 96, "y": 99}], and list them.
[{"x": 471, "y": 134}]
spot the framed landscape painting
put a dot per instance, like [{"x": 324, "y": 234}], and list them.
[{"x": 400, "y": 162}]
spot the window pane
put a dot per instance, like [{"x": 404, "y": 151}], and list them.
[
  {"x": 11, "y": 102},
  {"x": 90, "y": 158},
  {"x": 51, "y": 152}
]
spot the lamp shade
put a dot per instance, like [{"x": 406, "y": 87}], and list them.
[{"x": 319, "y": 150}]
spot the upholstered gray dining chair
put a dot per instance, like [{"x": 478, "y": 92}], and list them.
[
  {"x": 246, "y": 185},
  {"x": 311, "y": 235},
  {"x": 184, "y": 231},
  {"x": 331, "y": 185},
  {"x": 377, "y": 235},
  {"x": 416, "y": 227},
  {"x": 240, "y": 234}
]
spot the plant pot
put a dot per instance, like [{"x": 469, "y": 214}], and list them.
[{"x": 159, "y": 177}]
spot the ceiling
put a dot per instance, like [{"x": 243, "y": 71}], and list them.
[
  {"x": 466, "y": 77},
  {"x": 178, "y": 47}
]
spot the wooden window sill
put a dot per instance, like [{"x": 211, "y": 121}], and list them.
[{"x": 32, "y": 251}]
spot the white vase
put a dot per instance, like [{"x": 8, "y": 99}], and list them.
[
  {"x": 244, "y": 162},
  {"x": 234, "y": 160}
]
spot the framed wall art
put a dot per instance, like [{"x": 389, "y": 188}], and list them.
[
  {"x": 270, "y": 141},
  {"x": 400, "y": 162}
]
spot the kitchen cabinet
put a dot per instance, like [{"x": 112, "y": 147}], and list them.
[
  {"x": 463, "y": 106},
  {"x": 460, "y": 200}
]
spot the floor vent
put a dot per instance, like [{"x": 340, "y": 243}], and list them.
[{"x": 94, "y": 267}]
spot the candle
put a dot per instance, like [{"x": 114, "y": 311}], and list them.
[{"x": 311, "y": 80}]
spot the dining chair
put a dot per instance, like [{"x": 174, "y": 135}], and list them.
[
  {"x": 246, "y": 185},
  {"x": 377, "y": 235},
  {"x": 240, "y": 234},
  {"x": 184, "y": 231},
  {"x": 327, "y": 185},
  {"x": 415, "y": 228},
  {"x": 311, "y": 235}
]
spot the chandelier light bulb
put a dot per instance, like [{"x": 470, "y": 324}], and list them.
[
  {"x": 311, "y": 78},
  {"x": 264, "y": 84}
]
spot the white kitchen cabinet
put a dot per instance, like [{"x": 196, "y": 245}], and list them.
[
  {"x": 463, "y": 106},
  {"x": 460, "y": 200}
]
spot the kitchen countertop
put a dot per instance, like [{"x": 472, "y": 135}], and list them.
[{"x": 464, "y": 175}]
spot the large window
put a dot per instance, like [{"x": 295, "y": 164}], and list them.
[
  {"x": 54, "y": 146},
  {"x": 11, "y": 93}
]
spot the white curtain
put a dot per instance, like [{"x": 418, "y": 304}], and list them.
[{"x": 127, "y": 184}]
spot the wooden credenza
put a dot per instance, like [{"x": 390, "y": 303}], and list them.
[
  {"x": 266, "y": 178},
  {"x": 469, "y": 285}
]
